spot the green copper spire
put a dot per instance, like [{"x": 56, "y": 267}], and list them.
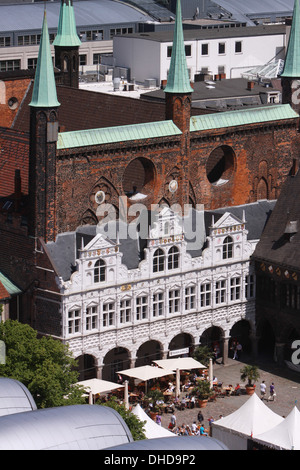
[
  {"x": 178, "y": 78},
  {"x": 66, "y": 31},
  {"x": 292, "y": 59},
  {"x": 44, "y": 89}
]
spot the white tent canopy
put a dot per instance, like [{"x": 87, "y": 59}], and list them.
[
  {"x": 250, "y": 420},
  {"x": 286, "y": 435},
  {"x": 146, "y": 372},
  {"x": 181, "y": 363},
  {"x": 152, "y": 430},
  {"x": 97, "y": 386}
]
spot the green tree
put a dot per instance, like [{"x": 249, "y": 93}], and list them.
[
  {"x": 203, "y": 354},
  {"x": 135, "y": 426},
  {"x": 44, "y": 365}
]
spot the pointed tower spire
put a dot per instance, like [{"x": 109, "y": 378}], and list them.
[
  {"x": 44, "y": 89},
  {"x": 66, "y": 32},
  {"x": 66, "y": 46},
  {"x": 292, "y": 58},
  {"x": 178, "y": 78}
]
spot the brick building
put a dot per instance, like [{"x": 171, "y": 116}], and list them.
[{"x": 60, "y": 180}]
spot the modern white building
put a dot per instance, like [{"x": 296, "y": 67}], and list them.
[
  {"x": 229, "y": 51},
  {"x": 127, "y": 300}
]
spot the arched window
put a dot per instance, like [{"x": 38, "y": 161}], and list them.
[
  {"x": 173, "y": 258},
  {"x": 228, "y": 248},
  {"x": 158, "y": 261},
  {"x": 99, "y": 271}
]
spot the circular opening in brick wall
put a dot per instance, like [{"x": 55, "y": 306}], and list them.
[
  {"x": 139, "y": 178},
  {"x": 220, "y": 165},
  {"x": 13, "y": 103}
]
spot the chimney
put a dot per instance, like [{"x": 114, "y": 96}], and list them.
[
  {"x": 250, "y": 85},
  {"x": 18, "y": 190},
  {"x": 295, "y": 167}
]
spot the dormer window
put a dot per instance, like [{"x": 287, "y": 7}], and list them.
[
  {"x": 158, "y": 261},
  {"x": 99, "y": 271},
  {"x": 173, "y": 258},
  {"x": 228, "y": 248}
]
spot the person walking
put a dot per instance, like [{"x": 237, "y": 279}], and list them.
[
  {"x": 272, "y": 392},
  {"x": 200, "y": 417},
  {"x": 263, "y": 389}
]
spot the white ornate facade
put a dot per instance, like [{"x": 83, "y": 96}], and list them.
[{"x": 107, "y": 306}]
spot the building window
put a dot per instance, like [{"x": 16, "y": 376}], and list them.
[
  {"x": 8, "y": 65},
  {"x": 228, "y": 248},
  {"x": 125, "y": 311},
  {"x": 82, "y": 59},
  {"x": 94, "y": 35},
  {"x": 238, "y": 47},
  {"x": 74, "y": 321},
  {"x": 32, "y": 63},
  {"x": 99, "y": 271},
  {"x": 173, "y": 258},
  {"x": 220, "y": 292},
  {"x": 158, "y": 261},
  {"x": 108, "y": 314},
  {"x": 5, "y": 41},
  {"x": 204, "y": 49},
  {"x": 235, "y": 288},
  {"x": 169, "y": 51},
  {"x": 205, "y": 294},
  {"x": 187, "y": 49},
  {"x": 96, "y": 59},
  {"x": 249, "y": 286},
  {"x": 91, "y": 319},
  {"x": 190, "y": 298},
  {"x": 222, "y": 48},
  {"x": 174, "y": 301},
  {"x": 142, "y": 308},
  {"x": 158, "y": 304}
]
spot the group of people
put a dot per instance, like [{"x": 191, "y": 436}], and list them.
[
  {"x": 195, "y": 429},
  {"x": 263, "y": 391}
]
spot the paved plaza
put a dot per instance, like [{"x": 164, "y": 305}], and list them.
[{"x": 287, "y": 386}]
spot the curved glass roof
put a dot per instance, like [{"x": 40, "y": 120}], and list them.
[
  {"x": 77, "y": 427},
  {"x": 14, "y": 397}
]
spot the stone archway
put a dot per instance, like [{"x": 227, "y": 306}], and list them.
[
  {"x": 241, "y": 332},
  {"x": 115, "y": 360},
  {"x": 181, "y": 345},
  {"x": 86, "y": 367},
  {"x": 220, "y": 165},
  {"x": 139, "y": 178},
  {"x": 148, "y": 352}
]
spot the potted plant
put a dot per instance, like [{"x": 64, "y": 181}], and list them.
[
  {"x": 155, "y": 396},
  {"x": 202, "y": 391},
  {"x": 251, "y": 374}
]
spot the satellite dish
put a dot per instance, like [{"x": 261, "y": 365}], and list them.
[
  {"x": 173, "y": 186},
  {"x": 100, "y": 197}
]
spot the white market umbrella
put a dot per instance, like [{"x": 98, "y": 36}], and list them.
[
  {"x": 145, "y": 373},
  {"x": 181, "y": 363},
  {"x": 98, "y": 386}
]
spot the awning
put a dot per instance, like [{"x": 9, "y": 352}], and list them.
[
  {"x": 97, "y": 386},
  {"x": 146, "y": 372},
  {"x": 181, "y": 363}
]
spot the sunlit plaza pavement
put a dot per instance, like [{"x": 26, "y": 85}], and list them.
[{"x": 287, "y": 386}]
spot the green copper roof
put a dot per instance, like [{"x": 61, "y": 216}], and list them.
[
  {"x": 44, "y": 89},
  {"x": 292, "y": 59},
  {"x": 242, "y": 117},
  {"x": 108, "y": 135},
  {"x": 9, "y": 286},
  {"x": 66, "y": 31},
  {"x": 178, "y": 77}
]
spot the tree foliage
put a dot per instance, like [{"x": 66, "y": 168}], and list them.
[
  {"x": 203, "y": 354},
  {"x": 44, "y": 365},
  {"x": 135, "y": 426}
]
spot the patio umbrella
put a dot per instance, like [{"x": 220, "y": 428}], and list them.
[
  {"x": 98, "y": 386},
  {"x": 145, "y": 373},
  {"x": 177, "y": 364}
]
